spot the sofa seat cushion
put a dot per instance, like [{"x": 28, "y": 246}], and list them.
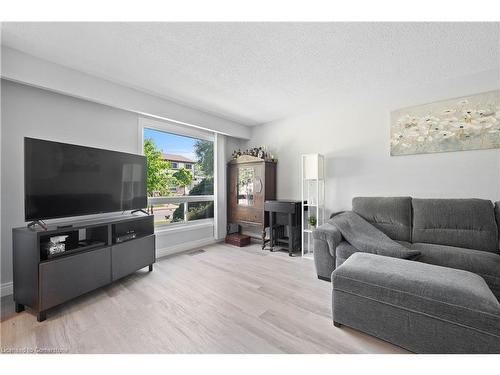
[
  {"x": 343, "y": 251},
  {"x": 468, "y": 223},
  {"x": 497, "y": 215},
  {"x": 483, "y": 263},
  {"x": 448, "y": 294},
  {"x": 391, "y": 215}
]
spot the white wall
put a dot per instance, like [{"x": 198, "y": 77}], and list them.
[
  {"x": 21, "y": 67},
  {"x": 220, "y": 187},
  {"x": 352, "y": 131},
  {"x": 31, "y": 112},
  {"x": 182, "y": 238}
]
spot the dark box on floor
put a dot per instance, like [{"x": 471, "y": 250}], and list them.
[{"x": 237, "y": 239}]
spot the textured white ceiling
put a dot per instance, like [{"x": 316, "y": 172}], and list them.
[{"x": 258, "y": 72}]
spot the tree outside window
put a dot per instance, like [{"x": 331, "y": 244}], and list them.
[{"x": 164, "y": 180}]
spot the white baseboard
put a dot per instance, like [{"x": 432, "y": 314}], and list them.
[
  {"x": 7, "y": 289},
  {"x": 185, "y": 247}
]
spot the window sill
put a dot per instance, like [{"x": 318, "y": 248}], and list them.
[{"x": 182, "y": 227}]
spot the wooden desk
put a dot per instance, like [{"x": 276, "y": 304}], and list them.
[{"x": 283, "y": 214}]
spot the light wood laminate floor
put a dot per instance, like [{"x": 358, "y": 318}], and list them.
[{"x": 223, "y": 300}]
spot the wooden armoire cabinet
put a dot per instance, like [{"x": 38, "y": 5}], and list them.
[{"x": 251, "y": 181}]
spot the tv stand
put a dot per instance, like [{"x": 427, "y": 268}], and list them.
[
  {"x": 92, "y": 259},
  {"x": 39, "y": 223}
]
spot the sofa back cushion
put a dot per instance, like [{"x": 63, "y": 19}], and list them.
[
  {"x": 468, "y": 223},
  {"x": 391, "y": 215}
]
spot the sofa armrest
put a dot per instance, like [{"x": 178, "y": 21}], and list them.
[
  {"x": 330, "y": 234},
  {"x": 497, "y": 216},
  {"x": 325, "y": 239}
]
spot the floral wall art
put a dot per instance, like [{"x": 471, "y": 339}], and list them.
[{"x": 466, "y": 123}]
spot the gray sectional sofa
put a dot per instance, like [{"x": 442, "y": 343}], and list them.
[
  {"x": 442, "y": 299},
  {"x": 455, "y": 233}
]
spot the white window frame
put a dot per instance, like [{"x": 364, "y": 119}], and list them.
[{"x": 187, "y": 131}]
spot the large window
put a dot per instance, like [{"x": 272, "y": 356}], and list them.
[{"x": 180, "y": 176}]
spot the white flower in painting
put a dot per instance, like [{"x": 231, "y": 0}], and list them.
[
  {"x": 412, "y": 132},
  {"x": 495, "y": 125},
  {"x": 439, "y": 126},
  {"x": 444, "y": 134},
  {"x": 407, "y": 121},
  {"x": 397, "y": 138},
  {"x": 449, "y": 111},
  {"x": 449, "y": 122},
  {"x": 469, "y": 112},
  {"x": 474, "y": 126},
  {"x": 423, "y": 130},
  {"x": 430, "y": 118},
  {"x": 408, "y": 126},
  {"x": 428, "y": 121},
  {"x": 466, "y": 135},
  {"x": 445, "y": 125},
  {"x": 401, "y": 140},
  {"x": 467, "y": 115}
]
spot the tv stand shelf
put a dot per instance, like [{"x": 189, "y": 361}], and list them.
[
  {"x": 79, "y": 249},
  {"x": 92, "y": 259}
]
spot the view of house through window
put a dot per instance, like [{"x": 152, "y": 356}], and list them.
[{"x": 180, "y": 177}]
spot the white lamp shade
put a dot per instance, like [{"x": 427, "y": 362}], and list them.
[
  {"x": 313, "y": 167},
  {"x": 131, "y": 172}
]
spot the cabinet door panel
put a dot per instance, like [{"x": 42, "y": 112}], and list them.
[
  {"x": 68, "y": 277},
  {"x": 131, "y": 256},
  {"x": 250, "y": 214},
  {"x": 259, "y": 182}
]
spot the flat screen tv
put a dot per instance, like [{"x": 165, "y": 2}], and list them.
[{"x": 62, "y": 180}]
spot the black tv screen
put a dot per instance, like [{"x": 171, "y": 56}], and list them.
[{"x": 62, "y": 180}]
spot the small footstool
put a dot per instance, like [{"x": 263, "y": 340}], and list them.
[{"x": 421, "y": 307}]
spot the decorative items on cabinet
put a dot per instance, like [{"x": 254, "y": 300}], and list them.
[
  {"x": 251, "y": 181},
  {"x": 237, "y": 239},
  {"x": 88, "y": 256},
  {"x": 258, "y": 152},
  {"x": 313, "y": 199}
]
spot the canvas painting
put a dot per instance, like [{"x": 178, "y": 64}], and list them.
[{"x": 466, "y": 123}]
